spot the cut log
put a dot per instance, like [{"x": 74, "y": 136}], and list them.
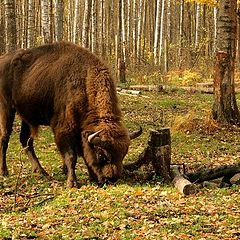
[
  {"x": 128, "y": 91},
  {"x": 153, "y": 88},
  {"x": 226, "y": 171},
  {"x": 181, "y": 183}
]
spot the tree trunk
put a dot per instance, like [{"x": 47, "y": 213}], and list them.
[
  {"x": 75, "y": 21},
  {"x": 31, "y": 24},
  {"x": 94, "y": 26},
  {"x": 157, "y": 28},
  {"x": 2, "y": 28},
  {"x": 11, "y": 29},
  {"x": 225, "y": 108},
  {"x": 59, "y": 20},
  {"x": 86, "y": 23},
  {"x": 45, "y": 21}
]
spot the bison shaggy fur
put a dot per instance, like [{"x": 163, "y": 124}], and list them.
[{"x": 68, "y": 88}]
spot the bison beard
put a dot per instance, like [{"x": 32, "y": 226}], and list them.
[{"x": 68, "y": 88}]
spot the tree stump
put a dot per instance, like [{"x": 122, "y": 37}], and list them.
[{"x": 157, "y": 152}]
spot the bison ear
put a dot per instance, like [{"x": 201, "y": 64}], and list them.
[{"x": 22, "y": 56}]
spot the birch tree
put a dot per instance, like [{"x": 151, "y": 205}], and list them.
[
  {"x": 31, "y": 24},
  {"x": 10, "y": 21},
  {"x": 2, "y": 27},
  {"x": 156, "y": 35},
  {"x": 45, "y": 21},
  {"x": 86, "y": 23},
  {"x": 161, "y": 31},
  {"x": 94, "y": 26},
  {"x": 225, "y": 108},
  {"x": 59, "y": 19},
  {"x": 75, "y": 20}
]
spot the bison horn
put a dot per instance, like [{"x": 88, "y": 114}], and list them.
[
  {"x": 135, "y": 134},
  {"x": 93, "y": 135}
]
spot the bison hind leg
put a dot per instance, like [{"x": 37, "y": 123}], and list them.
[
  {"x": 7, "y": 115},
  {"x": 26, "y": 140}
]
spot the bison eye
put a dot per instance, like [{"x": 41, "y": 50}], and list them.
[{"x": 104, "y": 159}]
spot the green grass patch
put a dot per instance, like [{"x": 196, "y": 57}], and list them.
[{"x": 137, "y": 207}]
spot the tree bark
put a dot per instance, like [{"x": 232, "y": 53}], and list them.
[
  {"x": 45, "y": 21},
  {"x": 225, "y": 108},
  {"x": 86, "y": 23},
  {"x": 59, "y": 20},
  {"x": 11, "y": 28}
]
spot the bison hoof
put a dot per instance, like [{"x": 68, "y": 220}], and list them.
[
  {"x": 64, "y": 170},
  {"x": 72, "y": 184},
  {"x": 4, "y": 172},
  {"x": 41, "y": 171}
]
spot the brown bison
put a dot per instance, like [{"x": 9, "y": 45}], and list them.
[{"x": 68, "y": 88}]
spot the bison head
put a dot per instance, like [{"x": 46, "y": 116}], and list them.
[{"x": 104, "y": 153}]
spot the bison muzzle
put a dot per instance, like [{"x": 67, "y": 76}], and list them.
[{"x": 68, "y": 88}]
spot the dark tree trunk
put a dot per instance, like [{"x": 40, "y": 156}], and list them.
[
  {"x": 225, "y": 108},
  {"x": 121, "y": 71}
]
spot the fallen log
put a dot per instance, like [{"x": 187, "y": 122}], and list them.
[
  {"x": 226, "y": 171},
  {"x": 199, "y": 88}
]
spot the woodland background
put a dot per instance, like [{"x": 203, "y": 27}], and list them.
[
  {"x": 152, "y": 37},
  {"x": 171, "y": 41}
]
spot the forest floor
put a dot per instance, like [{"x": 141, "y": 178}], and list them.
[{"x": 137, "y": 207}]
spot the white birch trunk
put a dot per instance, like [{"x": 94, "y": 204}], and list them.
[
  {"x": 198, "y": 15},
  {"x": 11, "y": 29},
  {"x": 86, "y": 23},
  {"x": 215, "y": 28},
  {"x": 75, "y": 21},
  {"x": 31, "y": 24},
  {"x": 139, "y": 29},
  {"x": 45, "y": 21},
  {"x": 94, "y": 27},
  {"x": 161, "y": 31},
  {"x": 59, "y": 19},
  {"x": 156, "y": 34},
  {"x": 123, "y": 30}
]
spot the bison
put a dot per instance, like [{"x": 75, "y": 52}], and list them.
[{"x": 68, "y": 88}]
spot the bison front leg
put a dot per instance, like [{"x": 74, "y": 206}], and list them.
[
  {"x": 91, "y": 161},
  {"x": 66, "y": 147},
  {"x": 70, "y": 160}
]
